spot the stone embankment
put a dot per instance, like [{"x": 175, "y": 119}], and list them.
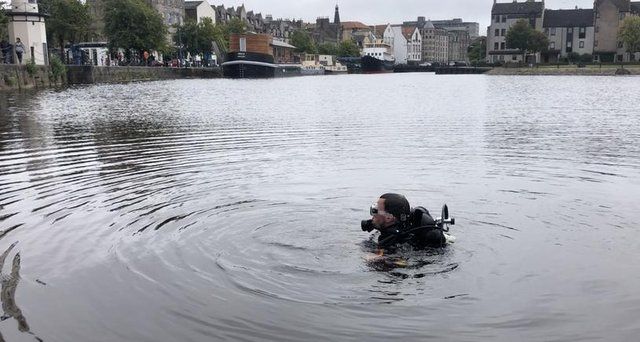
[
  {"x": 91, "y": 74},
  {"x": 25, "y": 77},
  {"x": 566, "y": 71},
  {"x": 17, "y": 77}
]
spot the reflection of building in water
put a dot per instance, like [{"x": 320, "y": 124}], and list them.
[{"x": 8, "y": 293}]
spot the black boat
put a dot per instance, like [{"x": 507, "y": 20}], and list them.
[
  {"x": 377, "y": 58},
  {"x": 252, "y": 56},
  {"x": 371, "y": 65}
]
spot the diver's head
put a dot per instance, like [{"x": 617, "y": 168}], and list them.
[{"x": 389, "y": 210}]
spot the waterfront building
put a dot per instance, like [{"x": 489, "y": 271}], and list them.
[
  {"x": 459, "y": 36},
  {"x": 435, "y": 44},
  {"x": 326, "y": 31},
  {"x": 503, "y": 16},
  {"x": 221, "y": 14},
  {"x": 458, "y": 24},
  {"x": 282, "y": 29},
  {"x": 355, "y": 31},
  {"x": 414, "y": 44},
  {"x": 255, "y": 22},
  {"x": 172, "y": 11},
  {"x": 569, "y": 31},
  {"x": 435, "y": 41},
  {"x": 458, "y": 45},
  {"x": 406, "y": 43},
  {"x": 28, "y": 24},
  {"x": 197, "y": 10},
  {"x": 609, "y": 15}
]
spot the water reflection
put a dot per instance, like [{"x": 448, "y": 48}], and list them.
[
  {"x": 208, "y": 216},
  {"x": 8, "y": 292}
]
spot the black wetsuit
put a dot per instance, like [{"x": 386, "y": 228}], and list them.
[{"x": 420, "y": 232}]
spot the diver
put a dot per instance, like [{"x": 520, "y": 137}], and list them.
[{"x": 398, "y": 224}]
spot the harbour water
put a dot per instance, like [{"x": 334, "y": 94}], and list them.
[{"x": 211, "y": 210}]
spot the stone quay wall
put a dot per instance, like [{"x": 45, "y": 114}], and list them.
[
  {"x": 118, "y": 74},
  {"x": 18, "y": 77}
]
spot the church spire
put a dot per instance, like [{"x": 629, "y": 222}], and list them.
[{"x": 336, "y": 18}]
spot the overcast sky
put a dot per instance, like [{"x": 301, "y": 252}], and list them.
[{"x": 373, "y": 12}]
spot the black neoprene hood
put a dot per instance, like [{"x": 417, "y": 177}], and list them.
[{"x": 396, "y": 204}]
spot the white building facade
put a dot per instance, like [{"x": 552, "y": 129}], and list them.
[
  {"x": 198, "y": 10},
  {"x": 27, "y": 24},
  {"x": 569, "y": 31},
  {"x": 399, "y": 43},
  {"x": 503, "y": 17}
]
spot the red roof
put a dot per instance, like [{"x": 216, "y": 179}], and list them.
[
  {"x": 350, "y": 25},
  {"x": 407, "y": 31}
]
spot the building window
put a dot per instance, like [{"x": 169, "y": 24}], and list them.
[
  {"x": 553, "y": 31},
  {"x": 552, "y": 46},
  {"x": 496, "y": 46},
  {"x": 514, "y": 57},
  {"x": 503, "y": 32},
  {"x": 582, "y": 44},
  {"x": 497, "y": 33},
  {"x": 583, "y": 33},
  {"x": 502, "y": 46},
  {"x": 570, "y": 30},
  {"x": 620, "y": 45},
  {"x": 504, "y": 18},
  {"x": 569, "y": 44},
  {"x": 621, "y": 15},
  {"x": 497, "y": 18}
]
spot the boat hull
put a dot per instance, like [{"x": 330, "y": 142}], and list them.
[
  {"x": 372, "y": 65},
  {"x": 256, "y": 65},
  {"x": 248, "y": 65}
]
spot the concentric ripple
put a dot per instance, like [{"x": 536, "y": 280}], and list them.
[{"x": 229, "y": 210}]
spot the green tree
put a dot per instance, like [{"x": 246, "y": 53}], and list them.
[
  {"x": 134, "y": 25},
  {"x": 518, "y": 36},
  {"x": 327, "y": 49},
  {"x": 348, "y": 48},
  {"x": 523, "y": 37},
  {"x": 69, "y": 21},
  {"x": 303, "y": 42},
  {"x": 477, "y": 51},
  {"x": 630, "y": 34},
  {"x": 4, "y": 21},
  {"x": 537, "y": 42},
  {"x": 198, "y": 38},
  {"x": 188, "y": 37}
]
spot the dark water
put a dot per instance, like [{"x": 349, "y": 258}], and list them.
[{"x": 229, "y": 210}]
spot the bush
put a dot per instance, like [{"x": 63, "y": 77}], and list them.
[
  {"x": 10, "y": 80},
  {"x": 58, "y": 69},
  {"x": 573, "y": 57},
  {"x": 586, "y": 58},
  {"x": 31, "y": 68}
]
